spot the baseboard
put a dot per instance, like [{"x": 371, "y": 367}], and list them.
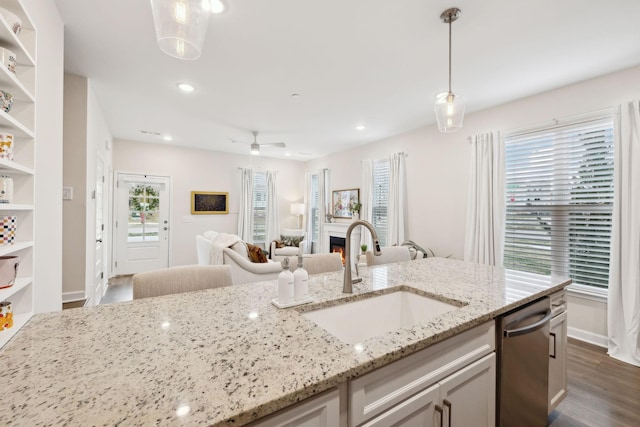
[
  {"x": 586, "y": 336},
  {"x": 72, "y": 296}
]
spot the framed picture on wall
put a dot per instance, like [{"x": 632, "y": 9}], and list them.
[
  {"x": 344, "y": 202},
  {"x": 209, "y": 203}
]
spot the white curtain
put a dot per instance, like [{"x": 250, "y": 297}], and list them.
[
  {"x": 366, "y": 198},
  {"x": 397, "y": 208},
  {"x": 245, "y": 215},
  {"x": 324, "y": 199},
  {"x": 308, "y": 212},
  {"x": 624, "y": 274},
  {"x": 273, "y": 216},
  {"x": 484, "y": 234}
]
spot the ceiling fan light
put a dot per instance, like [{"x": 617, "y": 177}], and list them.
[
  {"x": 449, "y": 109},
  {"x": 181, "y": 26},
  {"x": 255, "y": 149}
]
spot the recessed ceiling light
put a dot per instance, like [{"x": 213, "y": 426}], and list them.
[
  {"x": 217, "y": 6},
  {"x": 288, "y": 154},
  {"x": 360, "y": 127},
  {"x": 167, "y": 138},
  {"x": 186, "y": 87},
  {"x": 295, "y": 95}
]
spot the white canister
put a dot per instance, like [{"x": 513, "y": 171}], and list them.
[
  {"x": 8, "y": 59},
  {"x": 8, "y": 270},
  {"x": 6, "y": 189},
  {"x": 6, "y": 146}
]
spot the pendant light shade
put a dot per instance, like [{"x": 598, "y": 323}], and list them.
[
  {"x": 449, "y": 107},
  {"x": 181, "y": 26}
]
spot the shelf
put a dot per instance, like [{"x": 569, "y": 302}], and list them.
[
  {"x": 19, "y": 320},
  {"x": 14, "y": 126},
  {"x": 21, "y": 283},
  {"x": 17, "y": 246},
  {"x": 15, "y": 207},
  {"x": 7, "y": 166},
  {"x": 9, "y": 82},
  {"x": 9, "y": 40}
]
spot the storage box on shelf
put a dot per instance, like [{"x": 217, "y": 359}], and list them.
[{"x": 19, "y": 121}]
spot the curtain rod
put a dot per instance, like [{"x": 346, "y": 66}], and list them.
[{"x": 258, "y": 169}]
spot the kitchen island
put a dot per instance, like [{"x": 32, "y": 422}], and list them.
[{"x": 227, "y": 356}]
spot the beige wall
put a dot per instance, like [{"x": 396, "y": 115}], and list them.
[
  {"x": 202, "y": 170},
  {"x": 74, "y": 176},
  {"x": 48, "y": 155},
  {"x": 437, "y": 167}
]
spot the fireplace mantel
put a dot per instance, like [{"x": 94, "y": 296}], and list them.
[{"x": 339, "y": 229}]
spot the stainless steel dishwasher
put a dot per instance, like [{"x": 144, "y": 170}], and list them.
[{"x": 523, "y": 365}]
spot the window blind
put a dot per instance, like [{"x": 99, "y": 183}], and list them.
[
  {"x": 559, "y": 189},
  {"x": 380, "y": 199},
  {"x": 315, "y": 202},
  {"x": 259, "y": 207}
]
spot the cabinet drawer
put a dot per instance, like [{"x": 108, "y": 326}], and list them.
[
  {"x": 377, "y": 391},
  {"x": 317, "y": 411}
]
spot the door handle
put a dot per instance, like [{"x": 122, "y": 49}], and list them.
[
  {"x": 441, "y": 411},
  {"x": 553, "y": 356},
  {"x": 98, "y": 240},
  {"x": 166, "y": 228},
  {"x": 533, "y": 327},
  {"x": 448, "y": 405}
]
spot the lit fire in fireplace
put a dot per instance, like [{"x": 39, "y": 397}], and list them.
[{"x": 339, "y": 251}]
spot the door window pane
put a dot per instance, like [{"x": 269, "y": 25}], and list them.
[{"x": 144, "y": 206}]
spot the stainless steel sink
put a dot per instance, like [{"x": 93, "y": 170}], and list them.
[{"x": 354, "y": 322}]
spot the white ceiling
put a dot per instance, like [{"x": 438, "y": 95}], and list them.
[{"x": 376, "y": 62}]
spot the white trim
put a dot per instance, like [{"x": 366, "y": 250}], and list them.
[
  {"x": 588, "y": 292},
  {"x": 586, "y": 336},
  {"x": 72, "y": 296}
]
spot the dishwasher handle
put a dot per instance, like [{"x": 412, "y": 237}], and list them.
[{"x": 529, "y": 328}]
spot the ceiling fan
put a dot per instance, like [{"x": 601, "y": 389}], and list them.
[{"x": 255, "y": 147}]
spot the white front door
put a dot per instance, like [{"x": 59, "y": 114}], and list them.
[{"x": 142, "y": 223}]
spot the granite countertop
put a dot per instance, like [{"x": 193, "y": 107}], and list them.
[{"x": 228, "y": 356}]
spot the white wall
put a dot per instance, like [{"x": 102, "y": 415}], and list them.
[
  {"x": 437, "y": 168},
  {"x": 48, "y": 155},
  {"x": 202, "y": 170}
]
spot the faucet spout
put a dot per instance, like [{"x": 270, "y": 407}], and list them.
[{"x": 347, "y": 287}]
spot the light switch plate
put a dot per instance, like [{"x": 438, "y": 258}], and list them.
[{"x": 67, "y": 193}]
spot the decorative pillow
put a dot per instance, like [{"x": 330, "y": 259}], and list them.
[
  {"x": 279, "y": 244},
  {"x": 291, "y": 240},
  {"x": 241, "y": 248},
  {"x": 255, "y": 253}
]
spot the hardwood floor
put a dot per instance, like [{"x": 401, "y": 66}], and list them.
[{"x": 603, "y": 392}]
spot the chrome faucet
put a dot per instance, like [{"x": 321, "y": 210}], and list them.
[{"x": 347, "y": 288}]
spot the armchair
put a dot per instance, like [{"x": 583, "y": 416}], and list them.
[{"x": 277, "y": 254}]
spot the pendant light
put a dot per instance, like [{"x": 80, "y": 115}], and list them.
[
  {"x": 449, "y": 107},
  {"x": 181, "y": 26}
]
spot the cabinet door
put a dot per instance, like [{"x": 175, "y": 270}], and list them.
[
  {"x": 557, "y": 360},
  {"x": 319, "y": 411},
  {"x": 469, "y": 395},
  {"x": 417, "y": 411}
]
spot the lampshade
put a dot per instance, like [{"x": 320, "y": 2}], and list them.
[
  {"x": 449, "y": 107},
  {"x": 181, "y": 26},
  {"x": 449, "y": 110},
  {"x": 297, "y": 208}
]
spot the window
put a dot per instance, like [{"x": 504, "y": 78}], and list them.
[
  {"x": 259, "y": 207},
  {"x": 380, "y": 198},
  {"x": 559, "y": 189}
]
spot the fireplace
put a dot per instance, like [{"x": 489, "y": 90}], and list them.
[{"x": 337, "y": 244}]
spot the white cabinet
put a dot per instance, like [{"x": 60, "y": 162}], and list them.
[
  {"x": 317, "y": 411},
  {"x": 462, "y": 370},
  {"x": 558, "y": 360},
  {"x": 466, "y": 398},
  {"x": 20, "y": 122}
]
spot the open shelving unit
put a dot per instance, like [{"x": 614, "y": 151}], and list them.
[{"x": 20, "y": 122}]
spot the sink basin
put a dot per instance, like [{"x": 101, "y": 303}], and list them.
[{"x": 354, "y": 322}]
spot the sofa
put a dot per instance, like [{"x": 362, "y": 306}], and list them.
[
  {"x": 277, "y": 254},
  {"x": 243, "y": 270}
]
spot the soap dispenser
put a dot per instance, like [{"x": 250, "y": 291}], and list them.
[
  {"x": 300, "y": 282},
  {"x": 285, "y": 283}
]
